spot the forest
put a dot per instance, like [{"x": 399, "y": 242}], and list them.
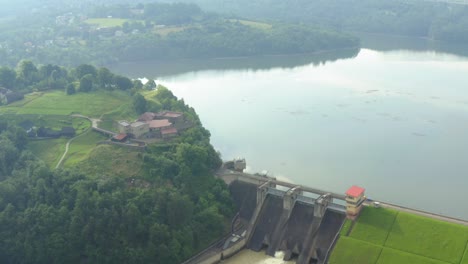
[
  {"x": 429, "y": 19},
  {"x": 172, "y": 209},
  {"x": 106, "y": 34}
]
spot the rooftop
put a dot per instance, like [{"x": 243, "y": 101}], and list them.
[
  {"x": 120, "y": 136},
  {"x": 146, "y": 116},
  {"x": 169, "y": 131},
  {"x": 124, "y": 123},
  {"x": 137, "y": 124},
  {"x": 355, "y": 191},
  {"x": 169, "y": 114},
  {"x": 159, "y": 123}
]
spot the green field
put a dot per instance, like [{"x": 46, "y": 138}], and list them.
[
  {"x": 354, "y": 251},
  {"x": 428, "y": 237},
  {"x": 391, "y": 256},
  {"x": 374, "y": 225},
  {"x": 50, "y": 150},
  {"x": 81, "y": 147},
  {"x": 107, "y": 160},
  {"x": 404, "y": 239},
  {"x": 58, "y": 103},
  {"x": 108, "y": 22},
  {"x": 465, "y": 259}
]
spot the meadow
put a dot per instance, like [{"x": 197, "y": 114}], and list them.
[
  {"x": 401, "y": 238},
  {"x": 58, "y": 103}
]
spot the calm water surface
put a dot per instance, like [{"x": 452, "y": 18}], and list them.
[{"x": 394, "y": 122}]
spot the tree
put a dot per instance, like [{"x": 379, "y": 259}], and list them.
[
  {"x": 123, "y": 83},
  {"x": 85, "y": 69},
  {"x": 105, "y": 78},
  {"x": 150, "y": 84},
  {"x": 70, "y": 89},
  {"x": 139, "y": 103},
  {"x": 86, "y": 83},
  {"x": 27, "y": 72},
  {"x": 7, "y": 77}
]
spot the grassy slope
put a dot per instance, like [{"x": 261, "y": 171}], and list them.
[
  {"x": 58, "y": 103},
  {"x": 411, "y": 239},
  {"x": 465, "y": 259},
  {"x": 49, "y": 150},
  {"x": 355, "y": 251},
  {"x": 374, "y": 225},
  {"x": 428, "y": 237},
  {"x": 52, "y": 109},
  {"x": 81, "y": 147},
  {"x": 106, "y": 160},
  {"x": 391, "y": 256}
]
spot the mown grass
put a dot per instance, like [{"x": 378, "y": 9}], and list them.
[
  {"x": 350, "y": 250},
  {"x": 392, "y": 256},
  {"x": 58, "y": 103},
  {"x": 346, "y": 227},
  {"x": 108, "y": 22},
  {"x": 107, "y": 160},
  {"x": 405, "y": 238},
  {"x": 428, "y": 237},
  {"x": 254, "y": 24},
  {"x": 374, "y": 225},
  {"x": 50, "y": 150},
  {"x": 465, "y": 258}
]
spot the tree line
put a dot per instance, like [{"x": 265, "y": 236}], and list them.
[{"x": 28, "y": 77}]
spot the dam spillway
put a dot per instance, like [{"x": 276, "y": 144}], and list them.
[{"x": 302, "y": 227}]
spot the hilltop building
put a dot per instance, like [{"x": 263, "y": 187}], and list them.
[{"x": 165, "y": 124}]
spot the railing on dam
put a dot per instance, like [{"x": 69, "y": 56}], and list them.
[{"x": 308, "y": 200}]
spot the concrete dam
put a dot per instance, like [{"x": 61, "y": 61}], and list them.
[{"x": 278, "y": 216}]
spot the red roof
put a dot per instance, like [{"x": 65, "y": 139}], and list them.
[
  {"x": 355, "y": 191},
  {"x": 121, "y": 136},
  {"x": 159, "y": 123},
  {"x": 168, "y": 131}
]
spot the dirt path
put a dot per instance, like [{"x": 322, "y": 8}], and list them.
[{"x": 67, "y": 146}]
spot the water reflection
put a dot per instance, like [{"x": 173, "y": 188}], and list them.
[{"x": 155, "y": 69}]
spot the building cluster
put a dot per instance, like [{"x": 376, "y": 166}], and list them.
[{"x": 151, "y": 125}]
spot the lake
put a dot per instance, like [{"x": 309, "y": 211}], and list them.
[{"x": 392, "y": 117}]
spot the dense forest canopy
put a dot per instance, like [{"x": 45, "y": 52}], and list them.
[{"x": 172, "y": 209}]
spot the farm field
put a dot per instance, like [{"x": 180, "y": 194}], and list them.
[{"x": 402, "y": 238}]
